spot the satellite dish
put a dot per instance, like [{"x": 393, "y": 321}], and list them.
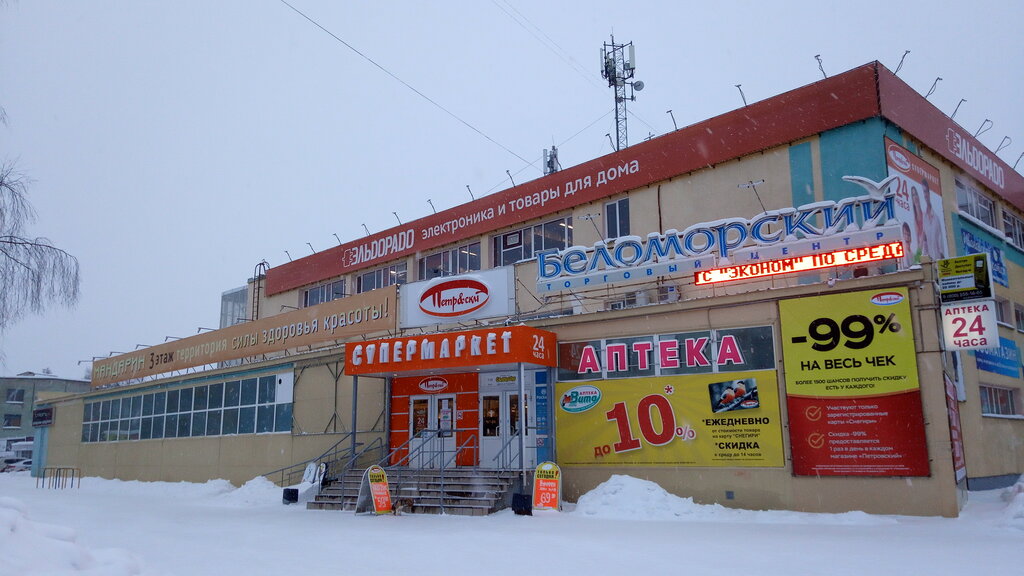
[{"x": 638, "y": 85}]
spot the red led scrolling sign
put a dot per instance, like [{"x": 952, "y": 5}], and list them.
[{"x": 845, "y": 257}]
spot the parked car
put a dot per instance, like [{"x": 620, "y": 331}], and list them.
[
  {"x": 21, "y": 465},
  {"x": 8, "y": 460}
]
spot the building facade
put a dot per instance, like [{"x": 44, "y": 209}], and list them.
[
  {"x": 21, "y": 394},
  {"x": 746, "y": 310}
]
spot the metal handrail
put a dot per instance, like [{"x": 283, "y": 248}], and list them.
[
  {"x": 289, "y": 472},
  {"x": 504, "y": 449}
]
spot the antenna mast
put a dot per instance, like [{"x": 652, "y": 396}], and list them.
[{"x": 618, "y": 61}]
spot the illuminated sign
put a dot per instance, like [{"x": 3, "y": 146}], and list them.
[
  {"x": 480, "y": 294},
  {"x": 470, "y": 348},
  {"x": 795, "y": 264},
  {"x": 810, "y": 229}
]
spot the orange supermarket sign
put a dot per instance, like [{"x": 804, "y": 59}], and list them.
[{"x": 504, "y": 345}]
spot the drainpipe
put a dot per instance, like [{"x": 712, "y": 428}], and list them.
[{"x": 522, "y": 422}]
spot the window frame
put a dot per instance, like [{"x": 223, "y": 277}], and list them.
[
  {"x": 12, "y": 396},
  {"x": 972, "y": 201},
  {"x": 1013, "y": 228},
  {"x": 325, "y": 292},
  {"x": 451, "y": 262},
  {"x": 530, "y": 241},
  {"x": 395, "y": 274},
  {"x": 999, "y": 400},
  {"x": 616, "y": 215},
  {"x": 198, "y": 410}
]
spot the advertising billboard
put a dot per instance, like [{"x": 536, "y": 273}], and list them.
[
  {"x": 706, "y": 420},
  {"x": 356, "y": 315},
  {"x": 484, "y": 294},
  {"x": 918, "y": 203},
  {"x": 852, "y": 388}
]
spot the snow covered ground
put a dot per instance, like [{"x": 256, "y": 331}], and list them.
[{"x": 625, "y": 526}]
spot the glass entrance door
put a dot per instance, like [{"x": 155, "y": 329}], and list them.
[
  {"x": 499, "y": 430},
  {"x": 432, "y": 425}
]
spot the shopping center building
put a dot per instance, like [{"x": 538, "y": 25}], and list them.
[{"x": 745, "y": 311}]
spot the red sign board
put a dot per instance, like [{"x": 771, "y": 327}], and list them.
[
  {"x": 762, "y": 125},
  {"x": 450, "y": 350},
  {"x": 847, "y": 257},
  {"x": 956, "y": 437},
  {"x": 852, "y": 387}
]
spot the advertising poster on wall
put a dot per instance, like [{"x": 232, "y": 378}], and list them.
[
  {"x": 724, "y": 419},
  {"x": 852, "y": 388},
  {"x": 956, "y": 437},
  {"x": 1003, "y": 359},
  {"x": 977, "y": 241},
  {"x": 918, "y": 204}
]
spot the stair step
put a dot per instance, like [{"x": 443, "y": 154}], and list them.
[{"x": 461, "y": 491}]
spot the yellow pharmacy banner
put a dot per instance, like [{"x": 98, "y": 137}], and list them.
[
  {"x": 709, "y": 420},
  {"x": 852, "y": 344}
]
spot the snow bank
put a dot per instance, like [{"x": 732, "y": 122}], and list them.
[
  {"x": 28, "y": 547},
  {"x": 256, "y": 492},
  {"x": 627, "y": 498},
  {"x": 1013, "y": 516}
]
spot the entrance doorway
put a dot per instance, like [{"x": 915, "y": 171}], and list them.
[
  {"x": 431, "y": 425},
  {"x": 499, "y": 423}
]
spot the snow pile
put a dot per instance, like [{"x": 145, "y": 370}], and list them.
[
  {"x": 256, "y": 492},
  {"x": 627, "y": 498},
  {"x": 28, "y": 547},
  {"x": 169, "y": 490},
  {"x": 1013, "y": 516}
]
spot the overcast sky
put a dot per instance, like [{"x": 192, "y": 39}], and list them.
[{"x": 173, "y": 145}]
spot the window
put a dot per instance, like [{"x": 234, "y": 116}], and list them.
[
  {"x": 381, "y": 277},
  {"x": 1013, "y": 227},
  {"x": 616, "y": 219},
  {"x": 523, "y": 244},
  {"x": 1018, "y": 317},
  {"x": 971, "y": 201},
  {"x": 15, "y": 395},
  {"x": 1003, "y": 311},
  {"x": 450, "y": 262},
  {"x": 324, "y": 293},
  {"x": 252, "y": 405},
  {"x": 998, "y": 401},
  {"x": 12, "y": 420}
]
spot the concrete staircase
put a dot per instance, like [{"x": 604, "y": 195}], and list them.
[{"x": 465, "y": 491}]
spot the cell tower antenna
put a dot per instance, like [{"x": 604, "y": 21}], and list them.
[
  {"x": 551, "y": 164},
  {"x": 618, "y": 63}
]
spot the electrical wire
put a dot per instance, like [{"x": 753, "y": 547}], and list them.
[
  {"x": 580, "y": 131},
  {"x": 404, "y": 83},
  {"x": 547, "y": 42}
]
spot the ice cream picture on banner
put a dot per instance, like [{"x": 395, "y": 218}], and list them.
[{"x": 918, "y": 204}]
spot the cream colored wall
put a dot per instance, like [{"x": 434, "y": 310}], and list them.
[
  {"x": 777, "y": 488},
  {"x": 993, "y": 446},
  {"x": 234, "y": 458}
]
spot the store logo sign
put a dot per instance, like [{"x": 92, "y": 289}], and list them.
[
  {"x": 899, "y": 159},
  {"x": 433, "y": 384},
  {"x": 580, "y": 399},
  {"x": 454, "y": 298},
  {"x": 887, "y": 298},
  {"x": 632, "y": 257}
]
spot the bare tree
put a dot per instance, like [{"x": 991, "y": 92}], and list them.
[{"x": 33, "y": 272}]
